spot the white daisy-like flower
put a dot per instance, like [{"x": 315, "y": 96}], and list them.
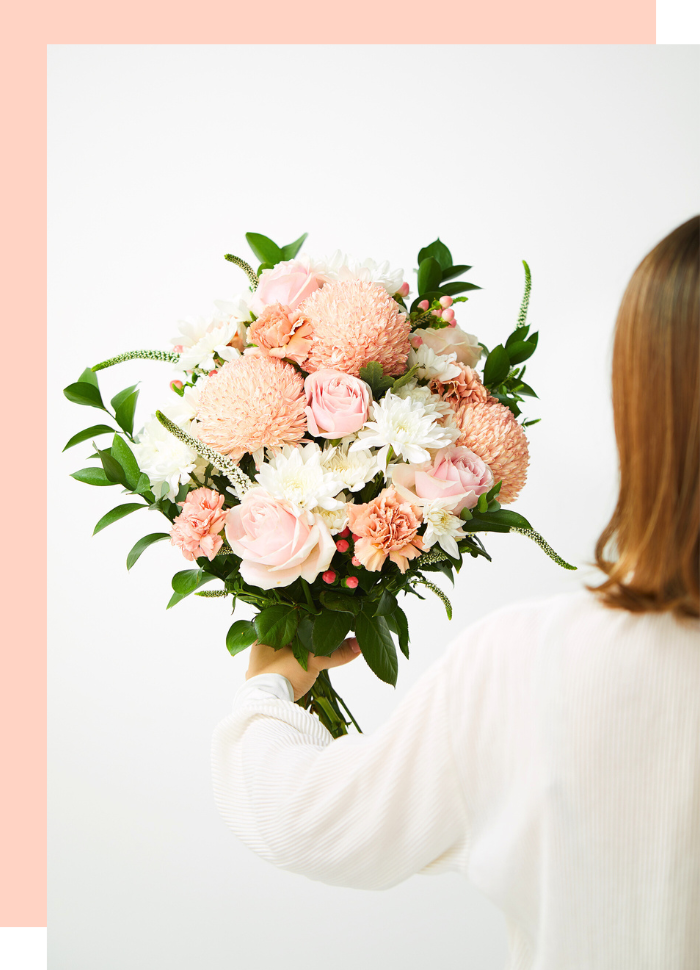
[
  {"x": 423, "y": 395},
  {"x": 404, "y": 426},
  {"x": 342, "y": 267},
  {"x": 442, "y": 526},
  {"x": 236, "y": 309},
  {"x": 353, "y": 468},
  {"x": 335, "y": 519},
  {"x": 200, "y": 339},
  {"x": 431, "y": 365},
  {"x": 164, "y": 458},
  {"x": 298, "y": 475}
]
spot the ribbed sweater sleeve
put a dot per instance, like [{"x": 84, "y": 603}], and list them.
[{"x": 361, "y": 811}]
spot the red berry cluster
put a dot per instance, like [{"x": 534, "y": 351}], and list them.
[{"x": 343, "y": 545}]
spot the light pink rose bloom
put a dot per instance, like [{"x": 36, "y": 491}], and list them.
[
  {"x": 451, "y": 340},
  {"x": 196, "y": 529},
  {"x": 289, "y": 283},
  {"x": 276, "y": 543},
  {"x": 455, "y": 472},
  {"x": 337, "y": 403},
  {"x": 278, "y": 333}
]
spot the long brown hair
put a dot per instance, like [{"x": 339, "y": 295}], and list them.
[{"x": 650, "y": 549}]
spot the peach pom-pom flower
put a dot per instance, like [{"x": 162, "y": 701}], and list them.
[
  {"x": 279, "y": 333},
  {"x": 254, "y": 402},
  {"x": 387, "y": 526},
  {"x": 196, "y": 529},
  {"x": 353, "y": 324},
  {"x": 491, "y": 432}
]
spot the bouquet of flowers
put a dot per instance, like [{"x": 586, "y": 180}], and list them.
[{"x": 327, "y": 445}]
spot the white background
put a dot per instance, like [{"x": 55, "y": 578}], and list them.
[{"x": 578, "y": 159}]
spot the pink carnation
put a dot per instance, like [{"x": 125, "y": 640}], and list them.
[
  {"x": 196, "y": 529},
  {"x": 277, "y": 333},
  {"x": 353, "y": 324},
  {"x": 491, "y": 432},
  {"x": 254, "y": 402},
  {"x": 387, "y": 526},
  {"x": 466, "y": 388}
]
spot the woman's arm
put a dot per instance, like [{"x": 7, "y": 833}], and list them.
[{"x": 361, "y": 811}]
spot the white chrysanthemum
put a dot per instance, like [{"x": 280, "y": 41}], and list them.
[
  {"x": 442, "y": 526},
  {"x": 423, "y": 395},
  {"x": 342, "y": 267},
  {"x": 163, "y": 457},
  {"x": 200, "y": 339},
  {"x": 236, "y": 309},
  {"x": 353, "y": 468},
  {"x": 430, "y": 365},
  {"x": 297, "y": 475},
  {"x": 335, "y": 519},
  {"x": 404, "y": 426}
]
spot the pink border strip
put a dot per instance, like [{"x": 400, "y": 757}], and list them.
[{"x": 23, "y": 71}]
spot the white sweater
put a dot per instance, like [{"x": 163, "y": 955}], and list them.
[{"x": 552, "y": 756}]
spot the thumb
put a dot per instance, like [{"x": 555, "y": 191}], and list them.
[{"x": 346, "y": 652}]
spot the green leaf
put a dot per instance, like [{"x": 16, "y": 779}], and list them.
[
  {"x": 122, "y": 396},
  {"x": 92, "y": 476},
  {"x": 185, "y": 582},
  {"x": 527, "y": 424},
  {"x": 452, "y": 271},
  {"x": 142, "y": 545},
  {"x": 520, "y": 333},
  {"x": 116, "y": 514},
  {"x": 276, "y": 625},
  {"x": 88, "y": 433},
  {"x": 522, "y": 388},
  {"x": 373, "y": 374},
  {"x": 429, "y": 274},
  {"x": 387, "y": 604},
  {"x": 439, "y": 252},
  {"x": 377, "y": 647},
  {"x": 125, "y": 456},
  {"x": 241, "y": 635},
  {"x": 112, "y": 469},
  {"x": 291, "y": 249},
  {"x": 340, "y": 602},
  {"x": 497, "y": 366},
  {"x": 501, "y": 521},
  {"x": 265, "y": 249},
  {"x": 398, "y": 624},
  {"x": 452, "y": 289},
  {"x": 143, "y": 485},
  {"x": 305, "y": 631},
  {"x": 300, "y": 652},
  {"x": 483, "y": 503},
  {"x": 88, "y": 377},
  {"x": 405, "y": 378},
  {"x": 125, "y": 412},
  {"x": 84, "y": 393},
  {"x": 520, "y": 350},
  {"x": 330, "y": 629}
]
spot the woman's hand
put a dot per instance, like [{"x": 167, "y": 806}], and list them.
[{"x": 265, "y": 660}]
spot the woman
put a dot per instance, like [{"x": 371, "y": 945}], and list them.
[{"x": 553, "y": 753}]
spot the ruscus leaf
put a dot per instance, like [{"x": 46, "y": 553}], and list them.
[
  {"x": 264, "y": 248},
  {"x": 84, "y": 393},
  {"x": 116, "y": 514},
  {"x": 276, "y": 625},
  {"x": 88, "y": 433},
  {"x": 142, "y": 545},
  {"x": 377, "y": 647},
  {"x": 241, "y": 635}
]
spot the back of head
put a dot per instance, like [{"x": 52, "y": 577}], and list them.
[{"x": 650, "y": 548}]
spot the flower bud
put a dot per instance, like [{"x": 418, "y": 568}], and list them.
[
  {"x": 448, "y": 315},
  {"x": 403, "y": 290},
  {"x": 344, "y": 534},
  {"x": 178, "y": 387},
  {"x": 423, "y": 305},
  {"x": 342, "y": 545},
  {"x": 446, "y": 301},
  {"x": 329, "y": 576},
  {"x": 355, "y": 561},
  {"x": 351, "y": 582}
]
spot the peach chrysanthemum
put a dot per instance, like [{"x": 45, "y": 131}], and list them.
[
  {"x": 353, "y": 323},
  {"x": 492, "y": 433},
  {"x": 466, "y": 388},
  {"x": 254, "y": 402}
]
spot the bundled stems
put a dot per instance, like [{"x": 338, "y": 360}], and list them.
[{"x": 324, "y": 701}]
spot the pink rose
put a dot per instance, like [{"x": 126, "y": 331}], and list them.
[
  {"x": 276, "y": 543},
  {"x": 337, "y": 403},
  {"x": 289, "y": 283},
  {"x": 455, "y": 472},
  {"x": 451, "y": 340},
  {"x": 277, "y": 333},
  {"x": 196, "y": 529}
]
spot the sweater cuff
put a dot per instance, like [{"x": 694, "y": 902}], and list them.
[{"x": 264, "y": 687}]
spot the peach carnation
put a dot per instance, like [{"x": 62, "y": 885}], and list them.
[
  {"x": 277, "y": 333},
  {"x": 387, "y": 526},
  {"x": 354, "y": 323},
  {"x": 491, "y": 431},
  {"x": 254, "y": 402},
  {"x": 196, "y": 529},
  {"x": 466, "y": 388}
]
